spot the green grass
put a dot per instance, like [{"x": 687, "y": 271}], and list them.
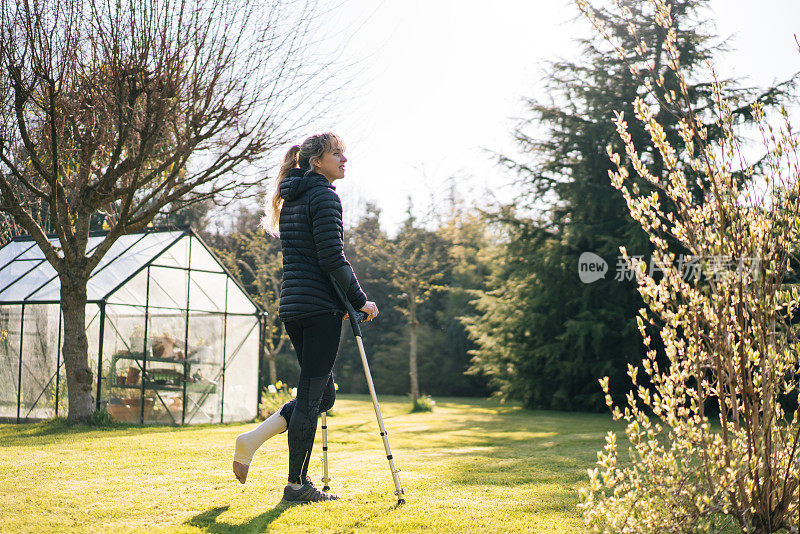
[{"x": 469, "y": 466}]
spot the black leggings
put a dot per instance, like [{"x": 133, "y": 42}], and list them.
[{"x": 315, "y": 340}]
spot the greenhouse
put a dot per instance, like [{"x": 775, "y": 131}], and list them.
[{"x": 173, "y": 337}]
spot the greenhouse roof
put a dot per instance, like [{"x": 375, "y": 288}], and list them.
[{"x": 139, "y": 269}]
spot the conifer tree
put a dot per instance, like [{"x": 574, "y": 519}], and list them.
[{"x": 545, "y": 336}]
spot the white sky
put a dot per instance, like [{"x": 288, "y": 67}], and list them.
[{"x": 441, "y": 82}]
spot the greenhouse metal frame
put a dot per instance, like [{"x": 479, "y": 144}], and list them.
[{"x": 159, "y": 303}]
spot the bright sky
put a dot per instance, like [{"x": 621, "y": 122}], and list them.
[{"x": 441, "y": 84}]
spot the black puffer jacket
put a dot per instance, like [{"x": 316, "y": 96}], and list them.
[{"x": 312, "y": 240}]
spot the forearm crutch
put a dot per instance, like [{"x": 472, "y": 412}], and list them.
[
  {"x": 325, "y": 478},
  {"x": 355, "y": 318}
]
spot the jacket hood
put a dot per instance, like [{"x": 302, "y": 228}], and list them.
[{"x": 299, "y": 181}]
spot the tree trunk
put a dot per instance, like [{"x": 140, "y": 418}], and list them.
[
  {"x": 273, "y": 373},
  {"x": 412, "y": 351},
  {"x": 75, "y": 348}
]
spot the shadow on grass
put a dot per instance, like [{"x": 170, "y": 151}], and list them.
[
  {"x": 13, "y": 434},
  {"x": 208, "y": 521},
  {"x": 20, "y": 434}
]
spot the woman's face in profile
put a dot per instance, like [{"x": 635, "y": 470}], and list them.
[{"x": 331, "y": 165}]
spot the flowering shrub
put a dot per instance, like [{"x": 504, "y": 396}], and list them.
[
  {"x": 423, "y": 403},
  {"x": 273, "y": 397},
  {"x": 276, "y": 395},
  {"x": 731, "y": 347}
]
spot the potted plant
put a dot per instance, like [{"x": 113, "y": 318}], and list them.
[
  {"x": 162, "y": 346},
  {"x": 132, "y": 378}
]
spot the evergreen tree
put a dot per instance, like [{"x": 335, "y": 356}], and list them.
[
  {"x": 546, "y": 337},
  {"x": 470, "y": 252}
]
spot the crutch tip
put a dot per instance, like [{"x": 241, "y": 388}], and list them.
[
  {"x": 400, "y": 501},
  {"x": 326, "y": 488}
]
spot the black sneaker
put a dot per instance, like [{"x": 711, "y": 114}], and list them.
[{"x": 307, "y": 493}]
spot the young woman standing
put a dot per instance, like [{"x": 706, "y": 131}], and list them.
[{"x": 307, "y": 215}]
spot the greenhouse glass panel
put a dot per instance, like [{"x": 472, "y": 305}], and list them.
[
  {"x": 121, "y": 250},
  {"x": 93, "y": 337},
  {"x": 202, "y": 259},
  {"x": 168, "y": 288},
  {"x": 123, "y": 347},
  {"x": 12, "y": 251},
  {"x": 40, "y": 359},
  {"x": 36, "y": 253},
  {"x": 165, "y": 365},
  {"x": 16, "y": 269},
  {"x": 10, "y": 325},
  {"x": 62, "y": 405},
  {"x": 134, "y": 292},
  {"x": 124, "y": 259},
  {"x": 241, "y": 355},
  {"x": 207, "y": 291},
  {"x": 138, "y": 251},
  {"x": 204, "y": 376},
  {"x": 44, "y": 285},
  {"x": 238, "y": 301},
  {"x": 22, "y": 277},
  {"x": 175, "y": 256},
  {"x": 33, "y": 253},
  {"x": 166, "y": 333}
]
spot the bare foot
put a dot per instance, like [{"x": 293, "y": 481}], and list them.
[{"x": 240, "y": 470}]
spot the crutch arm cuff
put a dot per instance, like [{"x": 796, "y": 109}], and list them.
[
  {"x": 345, "y": 278},
  {"x": 337, "y": 277}
]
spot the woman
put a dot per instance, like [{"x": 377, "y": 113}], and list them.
[{"x": 307, "y": 215}]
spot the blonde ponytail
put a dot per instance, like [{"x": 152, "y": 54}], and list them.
[{"x": 272, "y": 207}]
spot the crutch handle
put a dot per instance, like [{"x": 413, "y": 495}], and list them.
[
  {"x": 361, "y": 316},
  {"x": 355, "y": 316}
]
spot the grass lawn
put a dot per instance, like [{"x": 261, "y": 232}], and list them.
[{"x": 470, "y": 466}]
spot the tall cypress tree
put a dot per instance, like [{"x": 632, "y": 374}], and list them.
[{"x": 545, "y": 336}]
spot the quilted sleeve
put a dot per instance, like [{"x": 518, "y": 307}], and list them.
[{"x": 325, "y": 210}]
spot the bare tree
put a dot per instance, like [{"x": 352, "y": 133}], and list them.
[
  {"x": 415, "y": 262},
  {"x": 129, "y": 108}
]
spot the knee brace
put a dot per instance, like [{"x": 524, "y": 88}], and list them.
[
  {"x": 309, "y": 394},
  {"x": 328, "y": 397}
]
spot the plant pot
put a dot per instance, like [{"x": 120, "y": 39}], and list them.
[
  {"x": 162, "y": 346},
  {"x": 119, "y": 412},
  {"x": 132, "y": 377},
  {"x": 127, "y": 409}
]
